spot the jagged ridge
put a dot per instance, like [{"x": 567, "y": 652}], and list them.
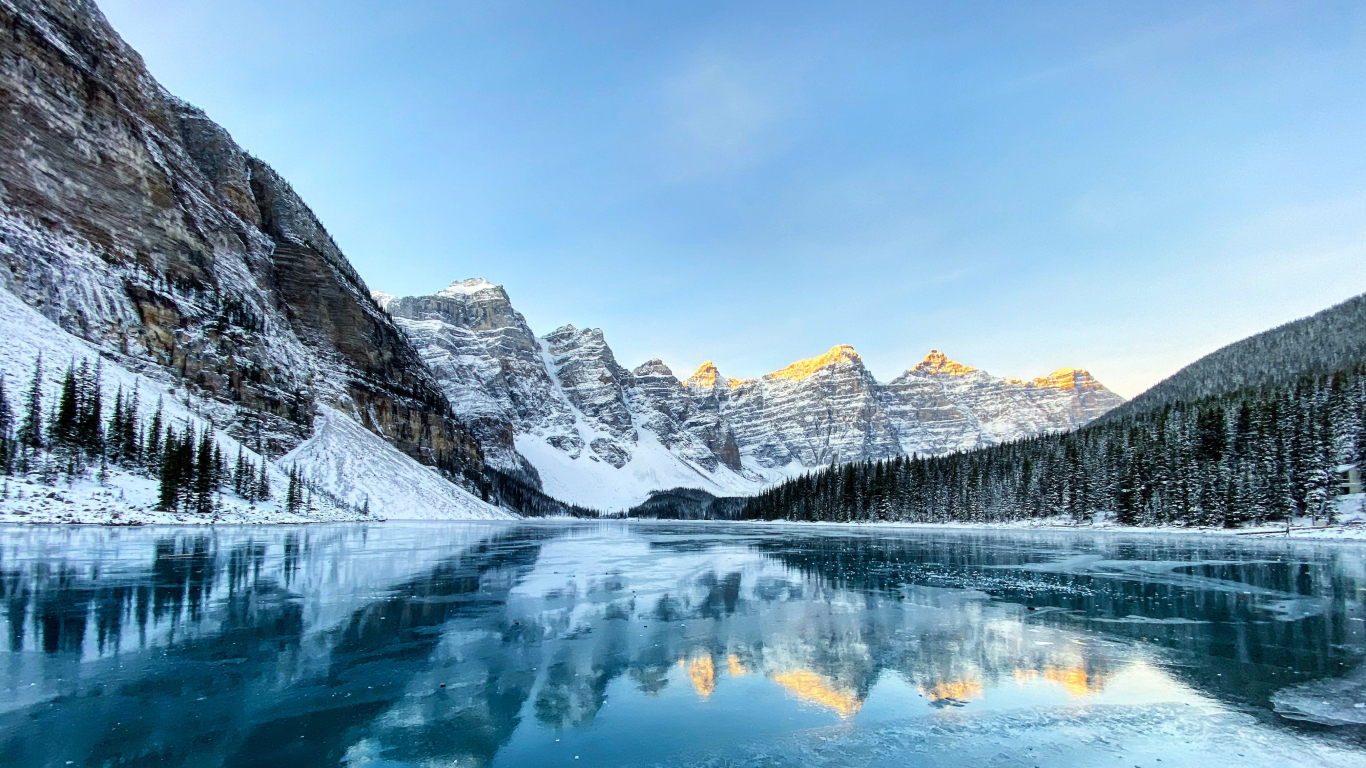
[{"x": 602, "y": 435}]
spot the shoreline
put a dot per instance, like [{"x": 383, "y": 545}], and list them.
[
  {"x": 131, "y": 503},
  {"x": 1350, "y": 531}
]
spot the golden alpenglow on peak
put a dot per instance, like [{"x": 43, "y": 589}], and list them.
[
  {"x": 1067, "y": 378},
  {"x": 803, "y": 368},
  {"x": 706, "y": 376},
  {"x": 937, "y": 362}
]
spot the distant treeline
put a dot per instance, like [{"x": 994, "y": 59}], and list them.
[
  {"x": 1252, "y": 456},
  {"x": 687, "y": 504},
  {"x": 517, "y": 495}
]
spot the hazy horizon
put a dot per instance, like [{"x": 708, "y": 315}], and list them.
[{"x": 1021, "y": 188}]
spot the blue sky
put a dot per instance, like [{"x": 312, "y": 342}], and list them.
[{"x": 1025, "y": 186}]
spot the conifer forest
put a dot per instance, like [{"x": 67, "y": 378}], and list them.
[{"x": 1260, "y": 455}]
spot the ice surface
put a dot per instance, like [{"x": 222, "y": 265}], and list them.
[
  {"x": 1166, "y": 735},
  {"x": 650, "y": 643},
  {"x": 1326, "y": 702}
]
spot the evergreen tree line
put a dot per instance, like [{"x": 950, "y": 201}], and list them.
[
  {"x": 301, "y": 490},
  {"x": 73, "y": 436},
  {"x": 1254, "y": 456},
  {"x": 504, "y": 490}
]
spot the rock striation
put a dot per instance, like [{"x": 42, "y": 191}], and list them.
[
  {"x": 573, "y": 409},
  {"x": 133, "y": 221}
]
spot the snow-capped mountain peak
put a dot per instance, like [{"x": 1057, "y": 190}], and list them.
[
  {"x": 1068, "y": 378},
  {"x": 938, "y": 364},
  {"x": 841, "y": 354},
  {"x": 563, "y": 409},
  {"x": 467, "y": 287},
  {"x": 653, "y": 367},
  {"x": 705, "y": 377}
]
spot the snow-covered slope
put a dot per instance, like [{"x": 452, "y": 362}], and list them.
[
  {"x": 132, "y": 221},
  {"x": 342, "y": 458},
  {"x": 123, "y": 497},
  {"x": 357, "y": 466},
  {"x": 603, "y": 436}
]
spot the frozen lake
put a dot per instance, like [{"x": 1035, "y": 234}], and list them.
[{"x": 594, "y": 644}]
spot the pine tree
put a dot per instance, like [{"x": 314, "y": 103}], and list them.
[
  {"x": 240, "y": 476},
  {"x": 31, "y": 428},
  {"x": 152, "y": 455},
  {"x": 116, "y": 428},
  {"x": 62, "y": 426},
  {"x": 292, "y": 494},
  {"x": 90, "y": 425},
  {"x": 129, "y": 438},
  {"x": 6, "y": 431},
  {"x": 263, "y": 482},
  {"x": 169, "y": 491},
  {"x": 204, "y": 476}
]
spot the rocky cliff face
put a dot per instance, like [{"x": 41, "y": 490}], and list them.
[
  {"x": 132, "y": 220},
  {"x": 604, "y": 436}
]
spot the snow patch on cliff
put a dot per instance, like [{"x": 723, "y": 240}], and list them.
[
  {"x": 356, "y": 465},
  {"x": 466, "y": 287}
]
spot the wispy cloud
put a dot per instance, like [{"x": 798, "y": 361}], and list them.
[{"x": 723, "y": 113}]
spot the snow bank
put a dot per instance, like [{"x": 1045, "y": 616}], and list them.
[
  {"x": 1348, "y": 528},
  {"x": 352, "y": 463},
  {"x": 596, "y": 484}
]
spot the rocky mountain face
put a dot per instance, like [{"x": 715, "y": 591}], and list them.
[
  {"x": 600, "y": 435},
  {"x": 135, "y": 222}
]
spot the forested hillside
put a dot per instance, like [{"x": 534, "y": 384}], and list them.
[
  {"x": 1328, "y": 341},
  {"x": 687, "y": 504},
  {"x": 1255, "y": 455}
]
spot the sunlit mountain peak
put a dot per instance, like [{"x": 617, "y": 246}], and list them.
[
  {"x": 938, "y": 363},
  {"x": 804, "y": 368},
  {"x": 706, "y": 376},
  {"x": 1067, "y": 378}
]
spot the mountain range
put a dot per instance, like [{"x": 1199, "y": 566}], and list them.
[
  {"x": 133, "y": 229},
  {"x": 560, "y": 410}
]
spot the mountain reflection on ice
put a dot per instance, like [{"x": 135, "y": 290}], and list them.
[{"x": 640, "y": 643}]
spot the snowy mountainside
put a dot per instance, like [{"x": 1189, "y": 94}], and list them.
[
  {"x": 598, "y": 434},
  {"x": 124, "y": 496},
  {"x": 351, "y": 465},
  {"x": 132, "y": 221},
  {"x": 360, "y": 468},
  {"x": 1331, "y": 340}
]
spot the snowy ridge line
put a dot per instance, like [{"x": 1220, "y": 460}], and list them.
[{"x": 603, "y": 436}]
